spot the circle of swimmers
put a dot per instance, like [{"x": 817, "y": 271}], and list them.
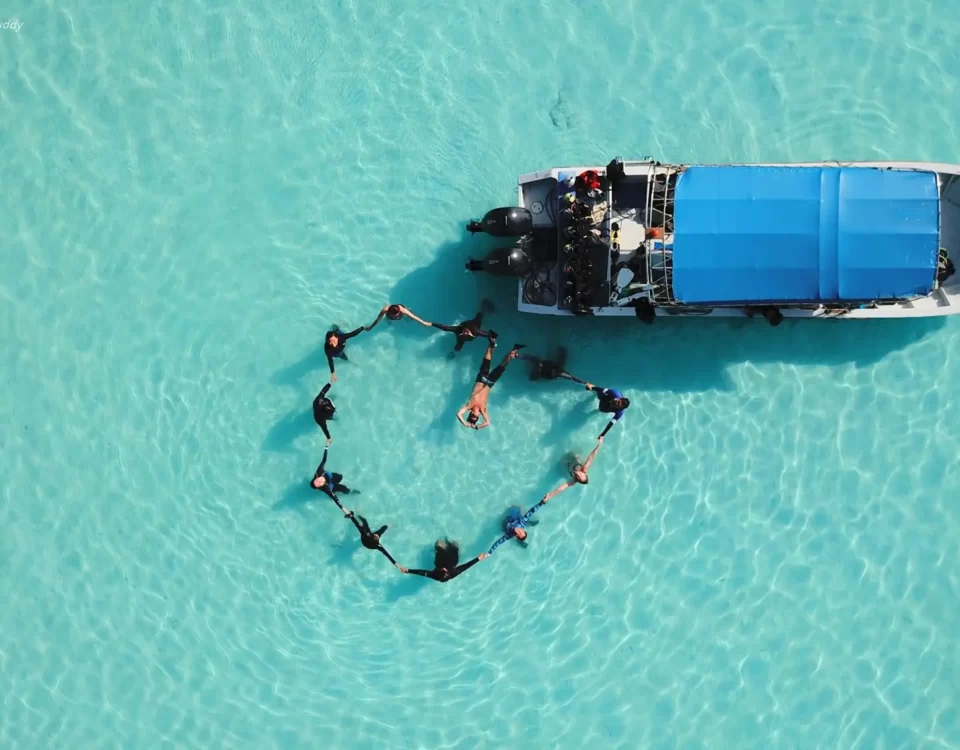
[{"x": 473, "y": 415}]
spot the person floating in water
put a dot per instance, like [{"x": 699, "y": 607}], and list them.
[
  {"x": 515, "y": 524},
  {"x": 546, "y": 369},
  {"x": 396, "y": 312},
  {"x": 468, "y": 330},
  {"x": 334, "y": 345},
  {"x": 477, "y": 404},
  {"x": 369, "y": 539},
  {"x": 611, "y": 402},
  {"x": 329, "y": 482},
  {"x": 323, "y": 411},
  {"x": 445, "y": 562},
  {"x": 578, "y": 472}
]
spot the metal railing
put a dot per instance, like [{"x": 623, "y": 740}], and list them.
[{"x": 661, "y": 195}]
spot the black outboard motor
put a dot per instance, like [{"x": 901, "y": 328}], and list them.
[
  {"x": 505, "y": 261},
  {"x": 511, "y": 221}
]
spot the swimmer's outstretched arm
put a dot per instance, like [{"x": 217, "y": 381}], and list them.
[
  {"x": 444, "y": 327},
  {"x": 330, "y": 493},
  {"x": 325, "y": 431},
  {"x": 593, "y": 454},
  {"x": 486, "y": 419},
  {"x": 410, "y": 314},
  {"x": 387, "y": 555},
  {"x": 501, "y": 540},
  {"x": 415, "y": 572},
  {"x": 383, "y": 311},
  {"x": 354, "y": 332},
  {"x": 466, "y": 566},
  {"x": 610, "y": 425},
  {"x": 561, "y": 488},
  {"x": 323, "y": 463},
  {"x": 460, "y": 416},
  {"x": 323, "y": 391}
]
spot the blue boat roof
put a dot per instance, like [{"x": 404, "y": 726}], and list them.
[{"x": 804, "y": 234}]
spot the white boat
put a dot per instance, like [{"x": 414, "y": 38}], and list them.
[{"x": 804, "y": 240}]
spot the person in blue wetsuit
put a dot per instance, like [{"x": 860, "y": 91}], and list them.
[
  {"x": 611, "y": 402},
  {"x": 323, "y": 411},
  {"x": 334, "y": 345},
  {"x": 329, "y": 482},
  {"x": 515, "y": 525}
]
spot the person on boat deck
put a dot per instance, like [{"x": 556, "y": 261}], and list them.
[
  {"x": 477, "y": 403},
  {"x": 323, "y": 411},
  {"x": 516, "y": 523},
  {"x": 329, "y": 482},
  {"x": 611, "y": 402},
  {"x": 468, "y": 330},
  {"x": 334, "y": 345},
  {"x": 369, "y": 539},
  {"x": 546, "y": 369},
  {"x": 578, "y": 472},
  {"x": 945, "y": 267},
  {"x": 396, "y": 312},
  {"x": 446, "y": 559},
  {"x": 588, "y": 183}
]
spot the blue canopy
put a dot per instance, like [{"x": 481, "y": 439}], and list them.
[{"x": 804, "y": 234}]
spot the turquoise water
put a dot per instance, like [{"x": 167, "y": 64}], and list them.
[{"x": 767, "y": 553}]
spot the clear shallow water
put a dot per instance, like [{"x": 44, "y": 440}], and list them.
[{"x": 767, "y": 553}]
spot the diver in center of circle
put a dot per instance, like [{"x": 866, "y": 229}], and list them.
[
  {"x": 550, "y": 369},
  {"x": 477, "y": 403},
  {"x": 396, "y": 312},
  {"x": 469, "y": 330},
  {"x": 446, "y": 561}
]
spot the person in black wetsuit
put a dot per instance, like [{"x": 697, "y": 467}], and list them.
[
  {"x": 334, "y": 345},
  {"x": 329, "y": 482},
  {"x": 323, "y": 411},
  {"x": 546, "y": 369},
  {"x": 445, "y": 562},
  {"x": 369, "y": 539},
  {"x": 468, "y": 330}
]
